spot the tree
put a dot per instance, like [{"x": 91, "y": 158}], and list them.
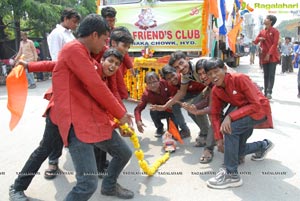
[
  {"x": 288, "y": 28},
  {"x": 37, "y": 16}
]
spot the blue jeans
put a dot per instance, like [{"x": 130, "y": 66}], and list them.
[
  {"x": 176, "y": 108},
  {"x": 121, "y": 154},
  {"x": 30, "y": 78},
  {"x": 83, "y": 158},
  {"x": 235, "y": 144},
  {"x": 201, "y": 120},
  {"x": 51, "y": 139}
]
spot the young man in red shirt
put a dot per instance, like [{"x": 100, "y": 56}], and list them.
[
  {"x": 83, "y": 109},
  {"x": 157, "y": 92},
  {"x": 51, "y": 139},
  {"x": 252, "y": 111},
  {"x": 269, "y": 57},
  {"x": 187, "y": 69},
  {"x": 194, "y": 88}
]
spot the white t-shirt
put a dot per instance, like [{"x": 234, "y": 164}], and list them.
[{"x": 57, "y": 39}]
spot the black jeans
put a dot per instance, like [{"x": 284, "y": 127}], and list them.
[
  {"x": 51, "y": 140},
  {"x": 157, "y": 116},
  {"x": 269, "y": 77},
  {"x": 101, "y": 158}
]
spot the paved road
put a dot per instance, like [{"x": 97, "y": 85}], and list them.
[{"x": 182, "y": 177}]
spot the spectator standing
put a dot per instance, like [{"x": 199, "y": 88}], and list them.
[
  {"x": 286, "y": 55},
  {"x": 29, "y": 51},
  {"x": 39, "y": 75},
  {"x": 269, "y": 56},
  {"x": 63, "y": 32},
  {"x": 253, "y": 53},
  {"x": 109, "y": 14},
  {"x": 296, "y": 59}
]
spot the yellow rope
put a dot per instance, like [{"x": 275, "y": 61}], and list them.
[{"x": 139, "y": 154}]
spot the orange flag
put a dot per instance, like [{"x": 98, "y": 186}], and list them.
[
  {"x": 174, "y": 131},
  {"x": 232, "y": 35},
  {"x": 213, "y": 8},
  {"x": 17, "y": 86}
]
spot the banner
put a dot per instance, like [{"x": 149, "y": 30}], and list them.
[{"x": 162, "y": 27}]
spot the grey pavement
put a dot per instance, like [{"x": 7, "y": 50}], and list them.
[{"x": 182, "y": 177}]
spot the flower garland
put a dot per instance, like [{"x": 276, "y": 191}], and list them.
[
  {"x": 139, "y": 154},
  {"x": 204, "y": 27}
]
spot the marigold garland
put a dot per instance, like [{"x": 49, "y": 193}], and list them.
[
  {"x": 204, "y": 27},
  {"x": 139, "y": 154}
]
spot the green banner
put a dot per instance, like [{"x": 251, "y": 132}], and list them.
[{"x": 163, "y": 27}]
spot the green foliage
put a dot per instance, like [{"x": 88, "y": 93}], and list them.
[
  {"x": 38, "y": 16},
  {"x": 285, "y": 30}
]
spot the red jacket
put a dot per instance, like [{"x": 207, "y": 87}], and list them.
[
  {"x": 239, "y": 91},
  {"x": 153, "y": 98},
  {"x": 194, "y": 87},
  {"x": 269, "y": 45},
  {"x": 82, "y": 99},
  {"x": 44, "y": 66},
  {"x": 117, "y": 80}
]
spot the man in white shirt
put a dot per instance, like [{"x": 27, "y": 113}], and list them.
[
  {"x": 59, "y": 36},
  {"x": 63, "y": 32}
]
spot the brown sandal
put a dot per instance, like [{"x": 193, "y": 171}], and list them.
[{"x": 207, "y": 156}]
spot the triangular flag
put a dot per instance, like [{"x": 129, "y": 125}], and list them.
[
  {"x": 213, "y": 8},
  {"x": 17, "y": 86},
  {"x": 174, "y": 131},
  {"x": 232, "y": 35}
]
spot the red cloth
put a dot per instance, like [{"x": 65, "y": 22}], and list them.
[
  {"x": 269, "y": 45},
  {"x": 153, "y": 98},
  {"x": 240, "y": 91},
  {"x": 45, "y": 66},
  {"x": 81, "y": 97},
  {"x": 193, "y": 87},
  {"x": 17, "y": 86}
]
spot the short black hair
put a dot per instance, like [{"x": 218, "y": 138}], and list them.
[
  {"x": 166, "y": 70},
  {"x": 176, "y": 56},
  {"x": 289, "y": 38},
  {"x": 92, "y": 23},
  {"x": 213, "y": 63},
  {"x": 108, "y": 12},
  {"x": 272, "y": 18},
  {"x": 121, "y": 34},
  {"x": 69, "y": 13},
  {"x": 200, "y": 64},
  {"x": 112, "y": 51},
  {"x": 151, "y": 74}
]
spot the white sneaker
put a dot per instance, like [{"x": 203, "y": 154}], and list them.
[{"x": 224, "y": 180}]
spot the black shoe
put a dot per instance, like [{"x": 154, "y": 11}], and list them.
[
  {"x": 159, "y": 132},
  {"x": 16, "y": 195},
  {"x": 259, "y": 156},
  {"x": 32, "y": 86},
  {"x": 185, "y": 133},
  {"x": 119, "y": 192},
  {"x": 269, "y": 96},
  {"x": 241, "y": 160},
  {"x": 102, "y": 173}
]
